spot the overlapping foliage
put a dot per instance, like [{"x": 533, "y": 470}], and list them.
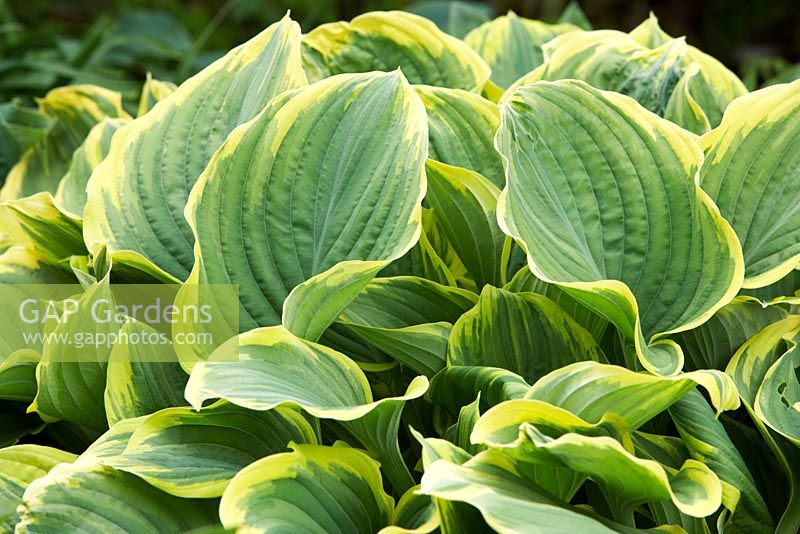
[{"x": 541, "y": 279}]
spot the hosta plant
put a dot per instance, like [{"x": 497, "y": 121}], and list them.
[{"x": 541, "y": 279}]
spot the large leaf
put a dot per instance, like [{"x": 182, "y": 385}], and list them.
[
  {"x": 167, "y": 149},
  {"x": 612, "y": 60},
  {"x": 752, "y": 162},
  {"x": 715, "y": 86},
  {"x": 71, "y": 192},
  {"x": 408, "y": 318},
  {"x": 386, "y": 41},
  {"x": 19, "y": 466},
  {"x": 461, "y": 128},
  {"x": 508, "y": 500},
  {"x": 635, "y": 239},
  {"x": 708, "y": 442},
  {"x": 712, "y": 344},
  {"x": 590, "y": 390},
  {"x": 91, "y": 498},
  {"x": 764, "y": 370},
  {"x": 276, "y": 368},
  {"x": 525, "y": 333},
  {"x": 73, "y": 111},
  {"x": 357, "y": 199},
  {"x": 454, "y": 387},
  {"x": 317, "y": 489},
  {"x": 512, "y": 45},
  {"x": 195, "y": 454},
  {"x": 141, "y": 378},
  {"x": 470, "y": 202}
]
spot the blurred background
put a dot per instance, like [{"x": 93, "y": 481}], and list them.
[{"x": 45, "y": 43}]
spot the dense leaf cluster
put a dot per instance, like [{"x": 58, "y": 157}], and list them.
[{"x": 538, "y": 279}]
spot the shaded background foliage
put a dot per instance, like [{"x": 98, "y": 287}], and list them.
[{"x": 44, "y": 43}]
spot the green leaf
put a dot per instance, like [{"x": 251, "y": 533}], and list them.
[
  {"x": 573, "y": 14},
  {"x": 71, "y": 378},
  {"x": 758, "y": 197},
  {"x": 18, "y": 375},
  {"x": 508, "y": 501},
  {"x": 454, "y": 387},
  {"x": 385, "y": 41},
  {"x": 312, "y": 489},
  {"x": 683, "y": 109},
  {"x": 38, "y": 224},
  {"x": 714, "y": 87},
  {"x": 153, "y": 92},
  {"x": 708, "y": 442},
  {"x": 512, "y": 45},
  {"x": 126, "y": 202},
  {"x": 712, "y": 344},
  {"x": 408, "y": 318},
  {"x": 354, "y": 200},
  {"x": 524, "y": 281},
  {"x": 614, "y": 61},
  {"x": 141, "y": 378},
  {"x": 459, "y": 434},
  {"x": 275, "y": 368},
  {"x": 19, "y": 466},
  {"x": 470, "y": 202},
  {"x": 453, "y": 16},
  {"x": 91, "y": 498},
  {"x": 635, "y": 240},
  {"x": 73, "y": 110},
  {"x": 415, "y": 514},
  {"x": 71, "y": 192},
  {"x": 525, "y": 333},
  {"x": 590, "y": 390},
  {"x": 461, "y": 128},
  {"x": 195, "y": 454}
]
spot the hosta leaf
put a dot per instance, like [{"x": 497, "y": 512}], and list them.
[
  {"x": 455, "y": 517},
  {"x": 708, "y": 442},
  {"x": 91, "y": 498},
  {"x": 634, "y": 239},
  {"x": 153, "y": 91},
  {"x": 358, "y": 199},
  {"x": 312, "y": 489},
  {"x": 168, "y": 148},
  {"x": 715, "y": 85},
  {"x": 384, "y": 41},
  {"x": 408, "y": 318},
  {"x": 415, "y": 514},
  {"x": 18, "y": 375},
  {"x": 459, "y": 434},
  {"x": 456, "y": 17},
  {"x": 461, "y": 128},
  {"x": 683, "y": 109},
  {"x": 509, "y": 501},
  {"x": 37, "y": 223},
  {"x": 784, "y": 289},
  {"x": 525, "y": 333},
  {"x": 454, "y": 387},
  {"x": 590, "y": 390},
  {"x": 512, "y": 45},
  {"x": 71, "y": 192},
  {"x": 470, "y": 202},
  {"x": 195, "y": 454},
  {"x": 16, "y": 423},
  {"x": 20, "y": 127},
  {"x": 19, "y": 466},
  {"x": 525, "y": 282},
  {"x": 113, "y": 441},
  {"x": 71, "y": 379},
  {"x": 573, "y": 14},
  {"x": 712, "y": 344},
  {"x": 141, "y": 378},
  {"x": 612, "y": 60},
  {"x": 756, "y": 194},
  {"x": 275, "y": 368},
  {"x": 73, "y": 111}
]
